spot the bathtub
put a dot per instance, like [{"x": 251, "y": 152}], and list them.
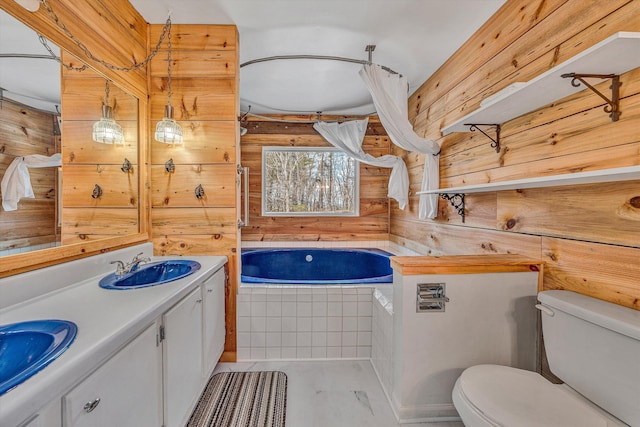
[{"x": 316, "y": 266}]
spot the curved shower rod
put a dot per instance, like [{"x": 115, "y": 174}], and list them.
[
  {"x": 322, "y": 57},
  {"x": 28, "y": 56}
]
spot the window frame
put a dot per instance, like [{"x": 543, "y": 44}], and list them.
[{"x": 356, "y": 189}]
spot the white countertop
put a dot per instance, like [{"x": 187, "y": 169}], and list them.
[{"x": 106, "y": 320}]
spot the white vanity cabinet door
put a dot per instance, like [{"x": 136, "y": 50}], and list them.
[
  {"x": 182, "y": 348},
  {"x": 213, "y": 321},
  {"x": 49, "y": 416},
  {"x": 129, "y": 386}
]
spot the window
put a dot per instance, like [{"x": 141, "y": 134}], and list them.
[{"x": 308, "y": 181}]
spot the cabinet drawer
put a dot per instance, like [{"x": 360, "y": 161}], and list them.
[{"x": 126, "y": 391}]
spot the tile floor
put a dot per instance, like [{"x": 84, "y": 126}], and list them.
[{"x": 336, "y": 393}]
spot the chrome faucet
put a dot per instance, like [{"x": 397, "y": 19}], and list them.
[
  {"x": 122, "y": 268},
  {"x": 135, "y": 263}
]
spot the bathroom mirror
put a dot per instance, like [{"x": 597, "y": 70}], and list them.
[{"x": 57, "y": 225}]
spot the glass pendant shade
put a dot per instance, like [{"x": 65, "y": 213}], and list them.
[
  {"x": 106, "y": 130},
  {"x": 168, "y": 130}
]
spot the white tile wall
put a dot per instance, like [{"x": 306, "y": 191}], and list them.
[
  {"x": 382, "y": 338},
  {"x": 304, "y": 322}
]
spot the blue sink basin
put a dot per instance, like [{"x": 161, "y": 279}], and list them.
[
  {"x": 151, "y": 275},
  {"x": 27, "y": 347}
]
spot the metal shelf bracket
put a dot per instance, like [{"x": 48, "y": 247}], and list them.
[
  {"x": 613, "y": 103},
  {"x": 495, "y": 142},
  {"x": 457, "y": 201}
]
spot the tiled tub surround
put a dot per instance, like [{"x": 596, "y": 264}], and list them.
[
  {"x": 310, "y": 322},
  {"x": 382, "y": 337},
  {"x": 304, "y": 322}
]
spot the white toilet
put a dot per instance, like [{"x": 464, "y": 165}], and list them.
[{"x": 592, "y": 345}]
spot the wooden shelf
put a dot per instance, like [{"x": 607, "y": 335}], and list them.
[
  {"x": 616, "y": 54},
  {"x": 628, "y": 173}
]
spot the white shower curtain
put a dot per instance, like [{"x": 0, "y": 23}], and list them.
[
  {"x": 348, "y": 137},
  {"x": 16, "y": 182},
  {"x": 389, "y": 93}
]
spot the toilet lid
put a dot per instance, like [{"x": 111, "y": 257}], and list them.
[{"x": 515, "y": 397}]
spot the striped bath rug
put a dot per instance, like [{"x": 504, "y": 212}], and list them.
[{"x": 242, "y": 399}]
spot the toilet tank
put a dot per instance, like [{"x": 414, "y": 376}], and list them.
[{"x": 594, "y": 347}]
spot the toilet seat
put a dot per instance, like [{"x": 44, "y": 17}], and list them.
[{"x": 492, "y": 395}]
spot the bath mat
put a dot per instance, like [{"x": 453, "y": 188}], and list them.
[{"x": 242, "y": 399}]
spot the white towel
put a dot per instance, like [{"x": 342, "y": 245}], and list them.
[{"x": 16, "y": 183}]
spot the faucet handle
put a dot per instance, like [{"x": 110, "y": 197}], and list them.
[
  {"x": 139, "y": 258},
  {"x": 120, "y": 267}
]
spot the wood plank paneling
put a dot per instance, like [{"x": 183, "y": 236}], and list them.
[
  {"x": 87, "y": 163},
  {"x": 587, "y": 234},
  {"x": 606, "y": 213},
  {"x": 607, "y": 272},
  {"x": 24, "y": 132},
  {"x": 102, "y": 222},
  {"x": 119, "y": 189},
  {"x": 115, "y": 32},
  {"x": 79, "y": 148},
  {"x": 177, "y": 189},
  {"x": 209, "y": 142},
  {"x": 206, "y": 101},
  {"x": 197, "y": 64},
  {"x": 200, "y": 37},
  {"x": 188, "y": 220},
  {"x": 372, "y": 223}
]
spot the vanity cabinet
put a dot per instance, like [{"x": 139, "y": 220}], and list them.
[
  {"x": 139, "y": 361},
  {"x": 125, "y": 391},
  {"x": 213, "y": 326},
  {"x": 182, "y": 347},
  {"x": 49, "y": 416}
]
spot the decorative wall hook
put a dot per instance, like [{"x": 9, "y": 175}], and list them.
[
  {"x": 97, "y": 192},
  {"x": 169, "y": 166},
  {"x": 126, "y": 166},
  {"x": 199, "y": 192},
  {"x": 495, "y": 143},
  {"x": 613, "y": 104}
]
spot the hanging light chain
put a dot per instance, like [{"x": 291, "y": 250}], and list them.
[
  {"x": 106, "y": 93},
  {"x": 169, "y": 92},
  {"x": 44, "y": 43},
  {"x": 90, "y": 55}
]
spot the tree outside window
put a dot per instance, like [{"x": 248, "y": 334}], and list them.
[{"x": 308, "y": 181}]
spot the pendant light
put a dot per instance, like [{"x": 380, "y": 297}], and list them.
[
  {"x": 167, "y": 130},
  {"x": 106, "y": 130}
]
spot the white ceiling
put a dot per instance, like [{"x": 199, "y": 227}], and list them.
[
  {"x": 34, "y": 82},
  {"x": 412, "y": 37}
]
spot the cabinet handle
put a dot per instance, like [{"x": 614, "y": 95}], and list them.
[
  {"x": 199, "y": 300},
  {"x": 90, "y": 406},
  {"x": 209, "y": 290}
]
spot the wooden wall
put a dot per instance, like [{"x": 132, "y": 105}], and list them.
[
  {"x": 26, "y": 131},
  {"x": 86, "y": 163},
  {"x": 588, "y": 235},
  {"x": 116, "y": 33},
  {"x": 371, "y": 224},
  {"x": 205, "y": 98}
]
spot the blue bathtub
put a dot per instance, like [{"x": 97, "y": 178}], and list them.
[{"x": 316, "y": 266}]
